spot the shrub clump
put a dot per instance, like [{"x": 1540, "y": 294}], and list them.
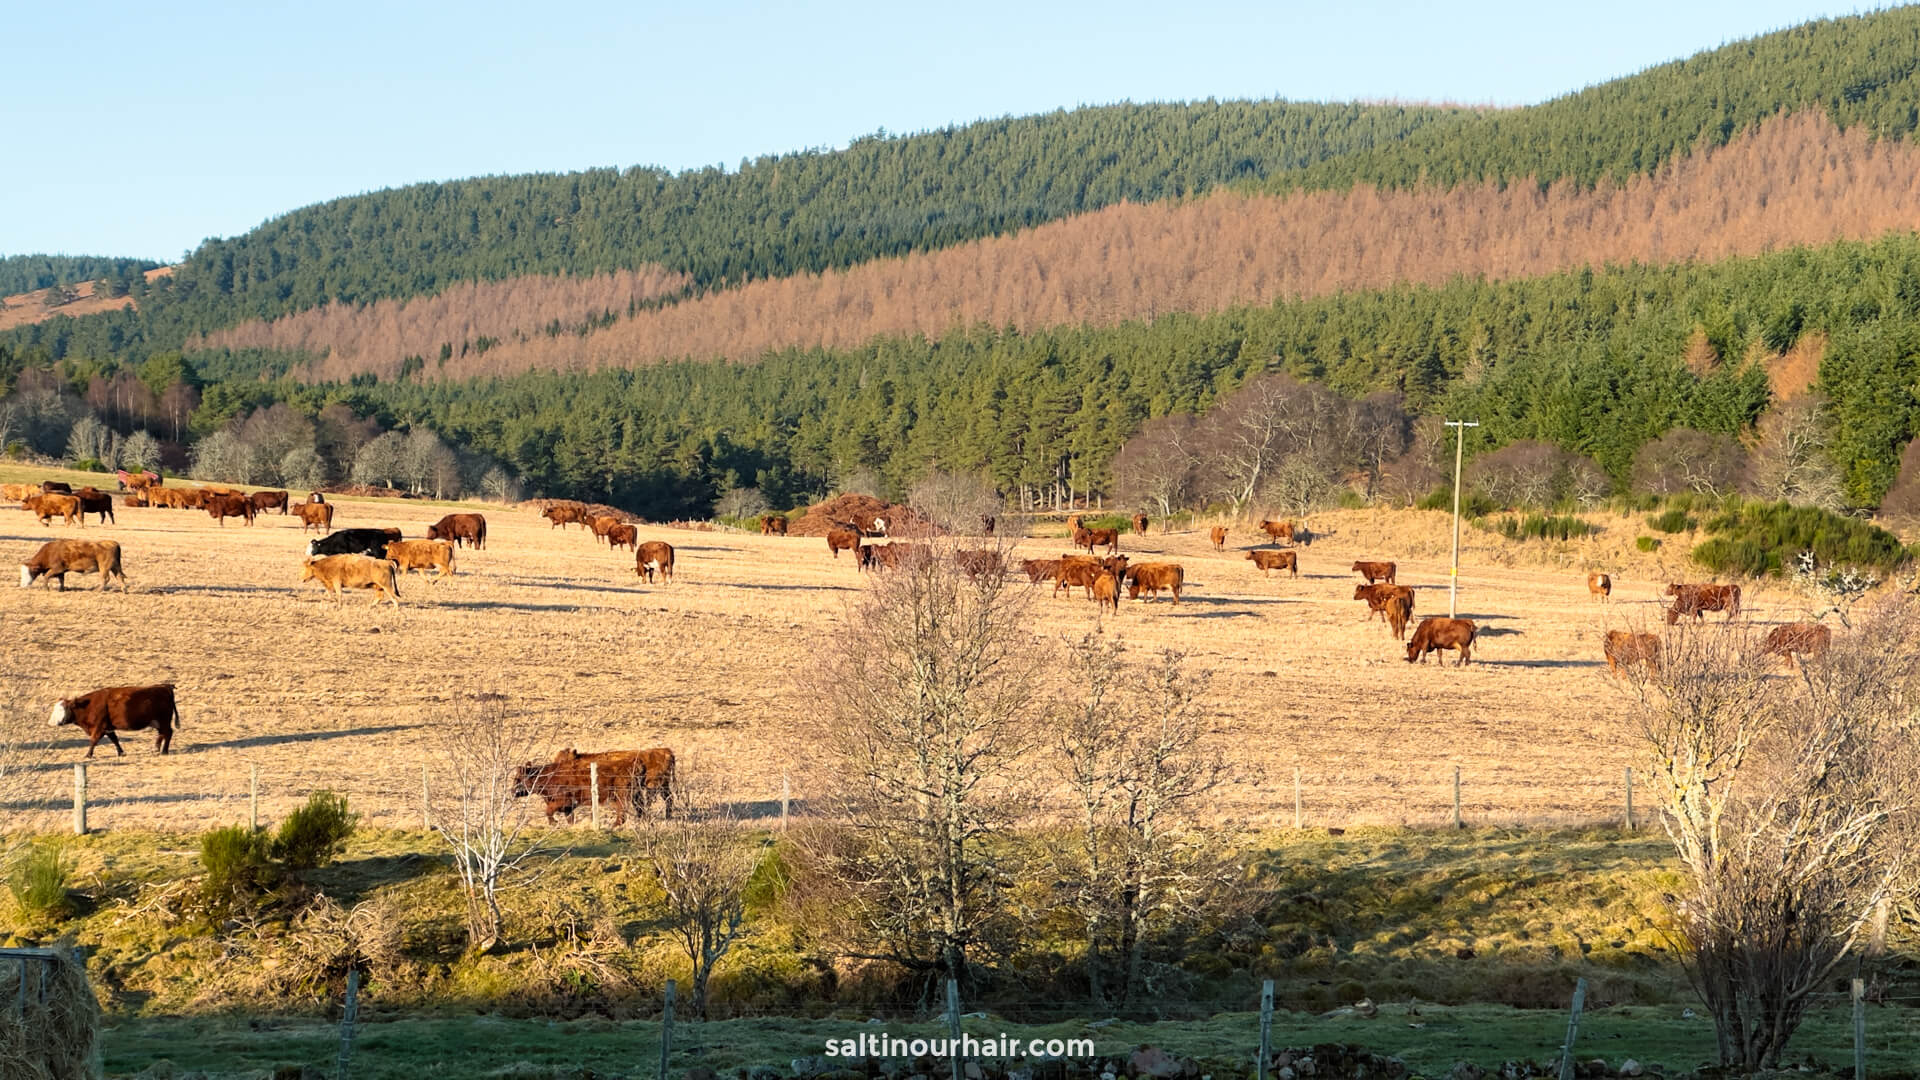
[
  {"x": 1543, "y": 527},
  {"x": 39, "y": 884},
  {"x": 1758, "y": 538},
  {"x": 1673, "y": 520},
  {"x": 1647, "y": 543},
  {"x": 239, "y": 870},
  {"x": 316, "y": 833}
]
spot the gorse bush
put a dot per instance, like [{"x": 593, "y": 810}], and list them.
[
  {"x": 1543, "y": 527},
  {"x": 314, "y": 834},
  {"x": 1647, "y": 543},
  {"x": 239, "y": 870},
  {"x": 1672, "y": 520},
  {"x": 39, "y": 884},
  {"x": 1756, "y": 538}
]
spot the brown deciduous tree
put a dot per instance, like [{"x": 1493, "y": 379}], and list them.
[
  {"x": 1158, "y": 469},
  {"x": 1702, "y": 462},
  {"x": 1788, "y": 458}
]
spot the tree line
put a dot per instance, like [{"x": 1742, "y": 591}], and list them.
[{"x": 30, "y": 273}]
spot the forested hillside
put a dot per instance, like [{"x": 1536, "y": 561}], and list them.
[
  {"x": 29, "y": 273},
  {"x": 883, "y": 196}
]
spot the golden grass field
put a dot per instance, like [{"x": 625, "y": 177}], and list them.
[{"x": 322, "y": 693}]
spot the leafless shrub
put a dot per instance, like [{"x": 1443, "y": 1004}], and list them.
[
  {"x": 1788, "y": 457},
  {"x": 494, "y": 836},
  {"x": 960, "y": 503},
  {"x": 1534, "y": 473},
  {"x": 1702, "y": 462},
  {"x": 1271, "y": 419},
  {"x": 927, "y": 704},
  {"x": 740, "y": 502},
  {"x": 1792, "y": 803},
  {"x": 1426, "y": 464},
  {"x": 702, "y": 862},
  {"x": 1133, "y": 748},
  {"x": 1158, "y": 469}
]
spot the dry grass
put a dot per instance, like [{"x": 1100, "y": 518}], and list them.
[{"x": 326, "y": 694}]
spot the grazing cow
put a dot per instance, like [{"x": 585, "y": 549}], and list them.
[
  {"x": 222, "y": 507},
  {"x": 370, "y": 542},
  {"x": 101, "y": 713},
  {"x": 1695, "y": 600},
  {"x": 94, "y": 501},
  {"x": 422, "y": 555},
  {"x": 1277, "y": 531},
  {"x": 623, "y": 536},
  {"x": 55, "y": 487},
  {"x": 459, "y": 529},
  {"x": 1624, "y": 650},
  {"x": 1599, "y": 585},
  {"x": 135, "y": 498},
  {"x": 773, "y": 525},
  {"x": 893, "y": 555},
  {"x": 1039, "y": 570},
  {"x": 1140, "y": 523},
  {"x": 45, "y": 507},
  {"x": 139, "y": 481},
  {"x": 1803, "y": 638},
  {"x": 18, "y": 492},
  {"x": 654, "y": 555},
  {"x": 1106, "y": 591},
  {"x": 1093, "y": 538},
  {"x": 627, "y": 781},
  {"x": 264, "y": 501},
  {"x": 1152, "y": 577},
  {"x": 1079, "y": 571},
  {"x": 1073, "y": 523},
  {"x": 1269, "y": 561},
  {"x": 839, "y": 540},
  {"x": 173, "y": 498},
  {"x": 1376, "y": 597},
  {"x": 1399, "y": 609},
  {"x": 316, "y": 497},
  {"x": 1436, "y": 633},
  {"x": 316, "y": 516},
  {"x": 600, "y": 523},
  {"x": 563, "y": 514},
  {"x": 979, "y": 562},
  {"x": 1375, "y": 571},
  {"x": 1219, "y": 535},
  {"x": 336, "y": 572},
  {"x": 58, "y": 558}
]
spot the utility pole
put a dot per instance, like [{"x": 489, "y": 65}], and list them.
[{"x": 1453, "y": 576}]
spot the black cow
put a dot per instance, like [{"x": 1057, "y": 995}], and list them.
[{"x": 371, "y": 542}]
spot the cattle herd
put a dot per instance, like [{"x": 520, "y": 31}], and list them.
[{"x": 375, "y": 558}]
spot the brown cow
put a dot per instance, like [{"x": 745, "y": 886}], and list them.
[
  {"x": 1079, "y": 572},
  {"x": 624, "y": 536},
  {"x": 101, "y": 713},
  {"x": 45, "y": 507},
  {"x": 600, "y": 524},
  {"x": 654, "y": 555},
  {"x": 1269, "y": 561},
  {"x": 58, "y": 558},
  {"x": 1624, "y": 650},
  {"x": 1695, "y": 600},
  {"x": 336, "y": 572},
  {"x": 1399, "y": 609},
  {"x": 977, "y": 563},
  {"x": 1093, "y": 538},
  {"x": 1376, "y": 597},
  {"x": 1219, "y": 535},
  {"x": 18, "y": 492},
  {"x": 563, "y": 514},
  {"x": 839, "y": 540},
  {"x": 264, "y": 501},
  {"x": 1436, "y": 633},
  {"x": 460, "y": 529},
  {"x": 222, "y": 507},
  {"x": 139, "y": 481},
  {"x": 1039, "y": 570},
  {"x": 1152, "y": 577},
  {"x": 1375, "y": 571},
  {"x": 316, "y": 516},
  {"x": 1140, "y": 523},
  {"x": 893, "y": 555},
  {"x": 172, "y": 498},
  {"x": 94, "y": 501},
  {"x": 773, "y": 525},
  {"x": 55, "y": 487},
  {"x": 1073, "y": 523},
  {"x": 1277, "y": 531},
  {"x": 1106, "y": 591},
  {"x": 422, "y": 555},
  {"x": 627, "y": 781},
  {"x": 1804, "y": 638},
  {"x": 1599, "y": 585}
]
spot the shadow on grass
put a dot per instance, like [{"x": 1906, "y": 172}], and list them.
[{"x": 298, "y": 737}]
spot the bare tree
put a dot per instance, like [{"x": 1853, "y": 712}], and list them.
[
  {"x": 1271, "y": 418},
  {"x": 1381, "y": 431},
  {"x": 379, "y": 461},
  {"x": 1158, "y": 469},
  {"x": 927, "y": 710},
  {"x": 222, "y": 456},
  {"x": 140, "y": 451},
  {"x": 493, "y": 835},
  {"x": 302, "y": 467},
  {"x": 1792, "y": 805},
  {"x": 702, "y": 863},
  {"x": 500, "y": 485},
  {"x": 741, "y": 502},
  {"x": 960, "y": 503},
  {"x": 1702, "y": 462},
  {"x": 1423, "y": 467},
  {"x": 1134, "y": 751},
  {"x": 1788, "y": 459},
  {"x": 1537, "y": 474},
  {"x": 91, "y": 440}
]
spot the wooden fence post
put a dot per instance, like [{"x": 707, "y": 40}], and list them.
[
  {"x": 347, "y": 1018},
  {"x": 1859, "y": 1029},
  {"x": 426, "y": 803},
  {"x": 1266, "y": 1028},
  {"x": 1296, "y": 796},
  {"x": 1456, "y": 797},
  {"x": 1629, "y": 798},
  {"x": 253, "y": 797},
  {"x": 953, "y": 1029},
  {"x": 666, "y": 1029},
  {"x": 1573, "y": 1029},
  {"x": 80, "y": 798},
  {"x": 593, "y": 781},
  {"x": 786, "y": 799}
]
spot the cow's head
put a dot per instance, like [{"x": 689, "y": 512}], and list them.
[
  {"x": 306, "y": 568},
  {"x": 433, "y": 532},
  {"x": 62, "y": 713},
  {"x": 313, "y": 548},
  {"x": 524, "y": 777},
  {"x": 26, "y": 575},
  {"x": 1673, "y": 590}
]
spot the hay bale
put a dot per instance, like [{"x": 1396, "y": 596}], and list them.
[{"x": 54, "y": 1040}]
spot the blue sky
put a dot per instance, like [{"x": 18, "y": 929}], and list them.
[{"x": 143, "y": 129}]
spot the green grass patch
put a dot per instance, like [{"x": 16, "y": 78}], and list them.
[{"x": 1541, "y": 527}]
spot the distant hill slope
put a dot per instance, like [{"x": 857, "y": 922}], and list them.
[
  {"x": 32, "y": 273},
  {"x": 784, "y": 215},
  {"x": 1794, "y": 181}
]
